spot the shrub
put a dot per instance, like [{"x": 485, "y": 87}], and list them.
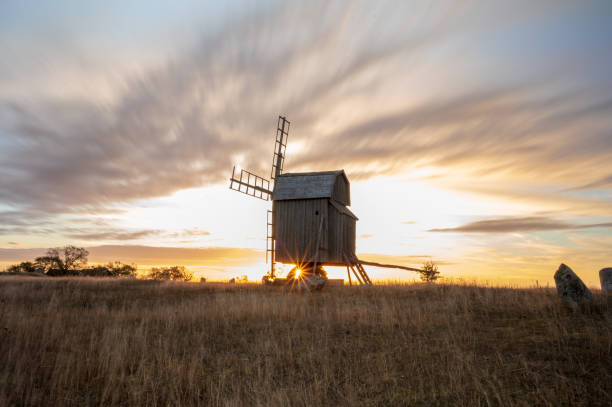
[
  {"x": 118, "y": 269},
  {"x": 430, "y": 272},
  {"x": 49, "y": 264},
  {"x": 177, "y": 273},
  {"x": 23, "y": 267},
  {"x": 98, "y": 271}
]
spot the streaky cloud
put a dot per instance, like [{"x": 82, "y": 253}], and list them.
[
  {"x": 525, "y": 224},
  {"x": 181, "y": 124}
]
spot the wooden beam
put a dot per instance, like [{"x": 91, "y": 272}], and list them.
[
  {"x": 389, "y": 266},
  {"x": 364, "y": 274},
  {"x": 357, "y": 275}
]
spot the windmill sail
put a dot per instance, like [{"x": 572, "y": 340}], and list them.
[
  {"x": 259, "y": 187},
  {"x": 251, "y": 184},
  {"x": 282, "y": 134}
]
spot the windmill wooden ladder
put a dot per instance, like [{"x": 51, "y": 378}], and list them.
[{"x": 270, "y": 243}]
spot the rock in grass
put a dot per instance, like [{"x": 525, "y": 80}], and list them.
[
  {"x": 605, "y": 278},
  {"x": 313, "y": 282},
  {"x": 570, "y": 287}
]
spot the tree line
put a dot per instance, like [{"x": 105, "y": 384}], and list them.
[{"x": 72, "y": 261}]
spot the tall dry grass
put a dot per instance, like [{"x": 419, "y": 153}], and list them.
[{"x": 85, "y": 341}]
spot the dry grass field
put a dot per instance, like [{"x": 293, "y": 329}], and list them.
[{"x": 86, "y": 341}]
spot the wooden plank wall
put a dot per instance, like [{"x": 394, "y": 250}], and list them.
[
  {"x": 335, "y": 235},
  {"x": 341, "y": 192},
  {"x": 296, "y": 225},
  {"x": 344, "y": 239},
  {"x": 351, "y": 226}
]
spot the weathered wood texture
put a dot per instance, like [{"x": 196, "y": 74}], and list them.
[
  {"x": 342, "y": 192},
  {"x": 312, "y": 185},
  {"x": 390, "y": 266},
  {"x": 341, "y": 234},
  {"x": 301, "y": 202},
  {"x": 296, "y": 225}
]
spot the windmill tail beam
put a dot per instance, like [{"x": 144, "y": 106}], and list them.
[{"x": 390, "y": 266}]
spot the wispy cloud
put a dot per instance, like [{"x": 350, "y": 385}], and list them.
[
  {"x": 112, "y": 234},
  {"x": 116, "y": 234},
  {"x": 148, "y": 255},
  {"x": 367, "y": 90},
  {"x": 600, "y": 183},
  {"x": 526, "y": 224},
  {"x": 194, "y": 232}
]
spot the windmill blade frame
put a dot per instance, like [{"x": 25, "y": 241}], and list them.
[
  {"x": 280, "y": 146},
  {"x": 251, "y": 184}
]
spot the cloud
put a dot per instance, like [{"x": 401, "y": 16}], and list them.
[
  {"x": 13, "y": 243},
  {"x": 356, "y": 84},
  {"x": 149, "y": 255},
  {"x": 205, "y": 256},
  {"x": 600, "y": 183},
  {"x": 194, "y": 232},
  {"x": 112, "y": 234},
  {"x": 526, "y": 224},
  {"x": 408, "y": 222},
  {"x": 102, "y": 234},
  {"x": 365, "y": 236}
]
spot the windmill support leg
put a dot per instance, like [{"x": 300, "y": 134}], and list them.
[
  {"x": 348, "y": 273},
  {"x": 357, "y": 276},
  {"x": 351, "y": 264},
  {"x": 363, "y": 273},
  {"x": 358, "y": 272}
]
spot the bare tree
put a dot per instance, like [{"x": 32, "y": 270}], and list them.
[{"x": 63, "y": 260}]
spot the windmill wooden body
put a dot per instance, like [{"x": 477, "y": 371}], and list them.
[{"x": 310, "y": 224}]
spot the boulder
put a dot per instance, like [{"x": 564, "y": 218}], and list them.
[
  {"x": 570, "y": 287},
  {"x": 313, "y": 282},
  {"x": 605, "y": 278}
]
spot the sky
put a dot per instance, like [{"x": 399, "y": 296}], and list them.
[{"x": 477, "y": 134}]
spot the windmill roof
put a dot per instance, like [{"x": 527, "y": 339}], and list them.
[{"x": 306, "y": 185}]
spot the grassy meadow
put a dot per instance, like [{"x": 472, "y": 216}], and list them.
[{"x": 88, "y": 341}]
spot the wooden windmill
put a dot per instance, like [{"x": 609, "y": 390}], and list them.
[{"x": 310, "y": 224}]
